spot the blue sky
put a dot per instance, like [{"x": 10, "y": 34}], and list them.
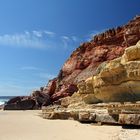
[{"x": 37, "y": 36}]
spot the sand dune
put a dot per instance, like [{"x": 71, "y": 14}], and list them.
[{"x": 27, "y": 125}]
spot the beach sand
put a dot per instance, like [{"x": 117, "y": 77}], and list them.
[{"x": 28, "y": 125}]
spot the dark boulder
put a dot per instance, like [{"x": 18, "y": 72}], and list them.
[
  {"x": 20, "y": 103},
  {"x": 41, "y": 98},
  {"x": 11, "y": 107},
  {"x": 27, "y": 104}
]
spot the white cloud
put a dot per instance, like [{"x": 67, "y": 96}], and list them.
[
  {"x": 38, "y": 33},
  {"x": 46, "y": 76},
  {"x": 39, "y": 39},
  {"x": 22, "y": 40},
  {"x": 29, "y": 39},
  {"x": 43, "y": 33},
  {"x": 74, "y": 38},
  {"x": 27, "y": 33},
  {"x": 49, "y": 33},
  {"x": 65, "y": 38},
  {"x": 29, "y": 68}
]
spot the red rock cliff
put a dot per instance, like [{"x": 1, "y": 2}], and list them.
[{"x": 84, "y": 61}]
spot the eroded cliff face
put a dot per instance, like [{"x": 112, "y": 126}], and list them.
[
  {"x": 106, "y": 46},
  {"x": 107, "y": 75},
  {"x": 117, "y": 81},
  {"x": 111, "y": 96}
]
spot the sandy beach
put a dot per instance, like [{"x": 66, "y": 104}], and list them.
[{"x": 28, "y": 125}]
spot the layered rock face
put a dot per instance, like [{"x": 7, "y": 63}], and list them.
[
  {"x": 110, "y": 113},
  {"x": 106, "y": 46},
  {"x": 117, "y": 80},
  {"x": 103, "y": 47}
]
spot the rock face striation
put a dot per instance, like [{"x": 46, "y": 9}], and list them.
[
  {"x": 110, "y": 113},
  {"x": 83, "y": 63},
  {"x": 117, "y": 80}
]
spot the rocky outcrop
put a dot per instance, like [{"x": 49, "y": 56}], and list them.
[
  {"x": 103, "y": 47},
  {"x": 116, "y": 83},
  {"x": 20, "y": 103},
  {"x": 109, "y": 113},
  {"x": 117, "y": 80},
  {"x": 50, "y": 88},
  {"x": 84, "y": 61},
  {"x": 66, "y": 90},
  {"x": 41, "y": 98},
  {"x": 35, "y": 101}
]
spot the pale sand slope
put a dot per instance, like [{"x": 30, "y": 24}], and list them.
[{"x": 27, "y": 125}]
